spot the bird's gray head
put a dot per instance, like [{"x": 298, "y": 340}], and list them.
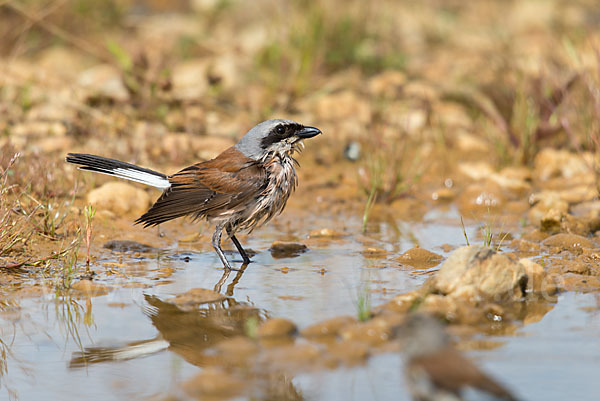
[
  {"x": 276, "y": 136},
  {"x": 421, "y": 334}
]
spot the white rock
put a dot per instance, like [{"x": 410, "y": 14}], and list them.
[{"x": 479, "y": 270}]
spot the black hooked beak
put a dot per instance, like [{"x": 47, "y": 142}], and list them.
[{"x": 308, "y": 132}]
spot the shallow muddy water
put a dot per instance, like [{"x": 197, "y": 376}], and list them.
[{"x": 132, "y": 344}]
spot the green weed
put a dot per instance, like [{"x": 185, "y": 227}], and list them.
[
  {"x": 464, "y": 230},
  {"x": 89, "y": 212},
  {"x": 363, "y": 303},
  {"x": 368, "y": 207}
]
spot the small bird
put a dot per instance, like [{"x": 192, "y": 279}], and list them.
[
  {"x": 436, "y": 371},
  {"x": 239, "y": 190}
]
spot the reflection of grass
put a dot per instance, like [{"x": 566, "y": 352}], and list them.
[
  {"x": 71, "y": 315},
  {"x": 368, "y": 207},
  {"x": 5, "y": 354},
  {"x": 363, "y": 303},
  {"x": 69, "y": 267}
]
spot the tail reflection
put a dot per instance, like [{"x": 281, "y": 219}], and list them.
[{"x": 187, "y": 333}]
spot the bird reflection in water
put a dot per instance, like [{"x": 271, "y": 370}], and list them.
[
  {"x": 190, "y": 332},
  {"x": 185, "y": 332}
]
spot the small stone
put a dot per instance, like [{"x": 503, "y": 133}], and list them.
[
  {"x": 237, "y": 351},
  {"x": 552, "y": 221},
  {"x": 104, "y": 80},
  {"x": 524, "y": 246},
  {"x": 326, "y": 233},
  {"x": 280, "y": 249},
  {"x": 467, "y": 143},
  {"x": 120, "y": 198},
  {"x": 569, "y": 242},
  {"x": 476, "y": 171},
  {"x": 539, "y": 281},
  {"x": 329, "y": 327},
  {"x": 39, "y": 129},
  {"x": 224, "y": 71},
  {"x": 587, "y": 209},
  {"x": 291, "y": 357},
  {"x": 535, "y": 236},
  {"x": 372, "y": 332},
  {"x": 128, "y": 246},
  {"x": 189, "y": 79},
  {"x": 518, "y": 186},
  {"x": 213, "y": 383},
  {"x": 575, "y": 266},
  {"x": 374, "y": 253},
  {"x": 405, "y": 117},
  {"x": 401, "y": 303},
  {"x": 196, "y": 296},
  {"x": 276, "y": 327},
  {"x": 420, "y": 258},
  {"x": 349, "y": 352},
  {"x": 53, "y": 144},
  {"x": 550, "y": 163},
  {"x": 579, "y": 283},
  {"x": 345, "y": 105}
]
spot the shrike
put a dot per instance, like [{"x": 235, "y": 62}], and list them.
[{"x": 239, "y": 190}]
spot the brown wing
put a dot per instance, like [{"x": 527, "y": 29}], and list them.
[
  {"x": 209, "y": 188},
  {"x": 453, "y": 372}
]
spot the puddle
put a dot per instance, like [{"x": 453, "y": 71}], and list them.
[{"x": 134, "y": 343}]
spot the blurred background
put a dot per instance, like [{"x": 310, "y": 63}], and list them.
[{"x": 505, "y": 77}]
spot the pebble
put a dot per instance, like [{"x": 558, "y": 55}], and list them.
[
  {"x": 196, "y": 296},
  {"x": 330, "y": 327},
  {"x": 128, "y": 246},
  {"x": 420, "y": 258},
  {"x": 568, "y": 241},
  {"x": 120, "y": 198},
  {"x": 281, "y": 249},
  {"x": 276, "y": 327},
  {"x": 213, "y": 383}
]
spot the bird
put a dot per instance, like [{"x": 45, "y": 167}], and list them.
[
  {"x": 239, "y": 190},
  {"x": 436, "y": 371}
]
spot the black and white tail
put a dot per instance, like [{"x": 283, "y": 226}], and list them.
[{"x": 119, "y": 169}]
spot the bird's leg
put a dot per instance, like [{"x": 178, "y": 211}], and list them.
[
  {"x": 237, "y": 244},
  {"x": 216, "y": 243}
]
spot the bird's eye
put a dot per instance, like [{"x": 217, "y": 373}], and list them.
[{"x": 280, "y": 130}]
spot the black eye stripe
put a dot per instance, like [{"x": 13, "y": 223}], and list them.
[{"x": 279, "y": 133}]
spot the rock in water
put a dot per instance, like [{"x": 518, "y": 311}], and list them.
[{"x": 478, "y": 272}]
